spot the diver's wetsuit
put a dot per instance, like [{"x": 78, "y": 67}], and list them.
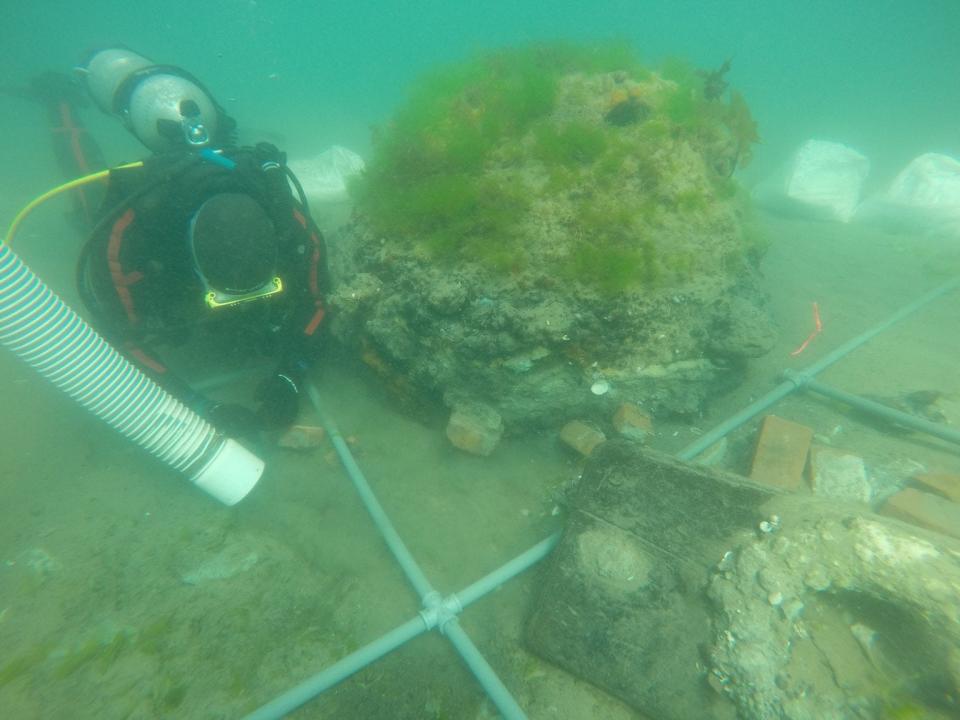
[{"x": 137, "y": 276}]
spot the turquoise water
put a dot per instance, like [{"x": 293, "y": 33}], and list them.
[
  {"x": 125, "y": 593},
  {"x": 876, "y": 75}
]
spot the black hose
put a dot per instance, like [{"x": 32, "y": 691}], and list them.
[{"x": 296, "y": 183}]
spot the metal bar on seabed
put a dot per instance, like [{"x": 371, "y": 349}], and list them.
[
  {"x": 887, "y": 413},
  {"x": 785, "y": 388}
]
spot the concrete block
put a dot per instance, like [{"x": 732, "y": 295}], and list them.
[
  {"x": 621, "y": 601},
  {"x": 781, "y": 453},
  {"x": 581, "y": 437},
  {"x": 926, "y": 510},
  {"x": 839, "y": 474},
  {"x": 632, "y": 422}
]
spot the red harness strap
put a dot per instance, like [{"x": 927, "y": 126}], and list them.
[
  {"x": 74, "y": 132},
  {"x": 122, "y": 281},
  {"x": 313, "y": 277}
]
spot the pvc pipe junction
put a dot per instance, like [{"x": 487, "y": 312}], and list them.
[
  {"x": 799, "y": 379},
  {"x": 442, "y": 612},
  {"x": 874, "y": 408},
  {"x": 438, "y": 612}
]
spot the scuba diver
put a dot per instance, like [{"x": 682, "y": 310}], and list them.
[{"x": 201, "y": 247}]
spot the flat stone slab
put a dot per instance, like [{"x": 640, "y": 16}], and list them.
[
  {"x": 623, "y": 602},
  {"x": 839, "y": 474}
]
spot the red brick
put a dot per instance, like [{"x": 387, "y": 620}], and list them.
[
  {"x": 632, "y": 422},
  {"x": 926, "y": 510},
  {"x": 946, "y": 484},
  {"x": 581, "y": 437},
  {"x": 475, "y": 428},
  {"x": 781, "y": 453},
  {"x": 302, "y": 437}
]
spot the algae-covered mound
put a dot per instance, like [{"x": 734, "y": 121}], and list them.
[{"x": 536, "y": 220}]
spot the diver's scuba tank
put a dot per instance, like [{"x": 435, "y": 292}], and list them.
[{"x": 164, "y": 106}]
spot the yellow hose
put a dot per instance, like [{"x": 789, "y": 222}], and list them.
[{"x": 79, "y": 182}]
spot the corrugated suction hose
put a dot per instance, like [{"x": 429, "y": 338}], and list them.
[{"x": 43, "y": 331}]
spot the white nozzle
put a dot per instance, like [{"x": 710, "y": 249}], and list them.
[{"x": 231, "y": 473}]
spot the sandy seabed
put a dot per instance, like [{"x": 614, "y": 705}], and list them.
[{"x": 126, "y": 593}]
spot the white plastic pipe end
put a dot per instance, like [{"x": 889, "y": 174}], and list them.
[{"x": 231, "y": 473}]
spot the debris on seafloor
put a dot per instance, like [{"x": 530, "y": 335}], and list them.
[
  {"x": 781, "y": 453},
  {"x": 932, "y": 405},
  {"x": 926, "y": 510},
  {"x": 474, "y": 427},
  {"x": 234, "y": 558},
  {"x": 302, "y": 437},
  {"x": 784, "y": 453},
  {"x": 628, "y": 577},
  {"x": 581, "y": 437},
  {"x": 941, "y": 483},
  {"x": 774, "y": 604},
  {"x": 600, "y": 387},
  {"x": 631, "y": 422}
]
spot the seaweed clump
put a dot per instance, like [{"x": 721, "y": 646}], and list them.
[{"x": 581, "y": 140}]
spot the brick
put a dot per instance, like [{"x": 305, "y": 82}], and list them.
[
  {"x": 926, "y": 510},
  {"x": 946, "y": 484},
  {"x": 632, "y": 422},
  {"x": 581, "y": 437},
  {"x": 838, "y": 474},
  {"x": 475, "y": 428},
  {"x": 781, "y": 453},
  {"x": 302, "y": 437}
]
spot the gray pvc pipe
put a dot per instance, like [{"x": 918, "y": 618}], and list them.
[
  {"x": 736, "y": 420},
  {"x": 785, "y": 388},
  {"x": 410, "y": 567},
  {"x": 887, "y": 413},
  {"x": 44, "y": 332},
  {"x": 482, "y": 671},
  {"x": 435, "y": 605},
  {"x": 354, "y": 662},
  {"x": 498, "y": 577},
  {"x": 342, "y": 669}
]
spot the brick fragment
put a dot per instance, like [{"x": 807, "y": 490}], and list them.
[
  {"x": 581, "y": 437},
  {"x": 781, "y": 453},
  {"x": 475, "y": 428},
  {"x": 302, "y": 437},
  {"x": 926, "y": 510},
  {"x": 632, "y": 422},
  {"x": 946, "y": 484}
]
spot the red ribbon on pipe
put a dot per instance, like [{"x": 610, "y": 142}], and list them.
[{"x": 817, "y": 329}]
